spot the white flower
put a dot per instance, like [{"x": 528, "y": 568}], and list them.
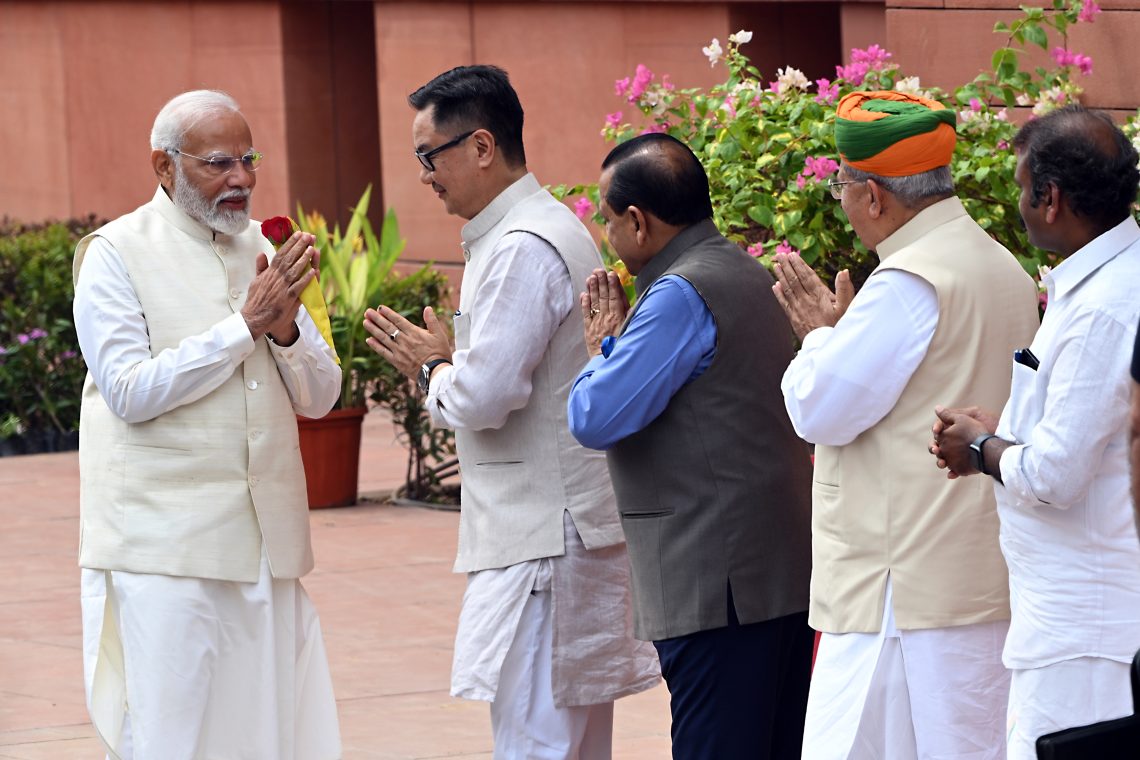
[
  {"x": 908, "y": 85},
  {"x": 1023, "y": 99},
  {"x": 713, "y": 51},
  {"x": 789, "y": 77},
  {"x": 1136, "y": 141},
  {"x": 740, "y": 37}
]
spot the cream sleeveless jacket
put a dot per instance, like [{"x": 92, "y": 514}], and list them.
[
  {"x": 520, "y": 478},
  {"x": 195, "y": 491},
  {"x": 879, "y": 505}
]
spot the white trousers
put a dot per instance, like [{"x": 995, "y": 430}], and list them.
[
  {"x": 904, "y": 695},
  {"x": 524, "y": 721},
  {"x": 188, "y": 669},
  {"x": 1063, "y": 695}
]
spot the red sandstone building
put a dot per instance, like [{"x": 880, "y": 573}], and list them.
[{"x": 323, "y": 84}]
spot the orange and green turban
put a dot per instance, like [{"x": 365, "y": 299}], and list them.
[{"x": 893, "y": 134}]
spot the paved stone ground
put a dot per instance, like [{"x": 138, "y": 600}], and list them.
[{"x": 387, "y": 599}]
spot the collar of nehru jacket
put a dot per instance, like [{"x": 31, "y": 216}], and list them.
[{"x": 893, "y": 134}]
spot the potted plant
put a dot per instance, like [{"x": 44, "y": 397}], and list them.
[{"x": 357, "y": 273}]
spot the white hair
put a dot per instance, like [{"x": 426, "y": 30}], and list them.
[{"x": 183, "y": 112}]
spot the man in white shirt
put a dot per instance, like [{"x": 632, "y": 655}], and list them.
[
  {"x": 199, "y": 640},
  {"x": 545, "y": 631},
  {"x": 908, "y": 585},
  {"x": 1059, "y": 452}
]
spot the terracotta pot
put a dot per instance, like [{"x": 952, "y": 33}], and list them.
[{"x": 330, "y": 449}]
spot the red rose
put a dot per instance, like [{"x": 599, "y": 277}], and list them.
[{"x": 278, "y": 229}]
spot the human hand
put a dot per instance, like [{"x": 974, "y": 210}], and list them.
[
  {"x": 806, "y": 300},
  {"x": 275, "y": 293},
  {"x": 406, "y": 346},
  {"x": 954, "y": 430},
  {"x": 604, "y": 307}
]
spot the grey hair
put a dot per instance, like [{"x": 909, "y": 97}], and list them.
[
  {"x": 913, "y": 188},
  {"x": 183, "y": 112}
]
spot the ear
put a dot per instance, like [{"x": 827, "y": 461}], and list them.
[
  {"x": 875, "y": 199},
  {"x": 163, "y": 164},
  {"x": 1052, "y": 199},
  {"x": 640, "y": 225},
  {"x": 485, "y": 147}
]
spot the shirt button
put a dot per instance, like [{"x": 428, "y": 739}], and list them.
[
  {"x": 253, "y": 480},
  {"x": 252, "y": 385},
  {"x": 254, "y": 435},
  {"x": 234, "y": 293}
]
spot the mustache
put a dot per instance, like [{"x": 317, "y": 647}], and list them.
[{"x": 237, "y": 192}]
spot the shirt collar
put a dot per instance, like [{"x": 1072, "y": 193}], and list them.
[
  {"x": 921, "y": 224},
  {"x": 1066, "y": 276},
  {"x": 178, "y": 218},
  {"x": 494, "y": 211}
]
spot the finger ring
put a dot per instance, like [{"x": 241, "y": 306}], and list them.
[
  {"x": 394, "y": 333},
  {"x": 594, "y": 313}
]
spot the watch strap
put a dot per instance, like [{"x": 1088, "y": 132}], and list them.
[{"x": 978, "y": 446}]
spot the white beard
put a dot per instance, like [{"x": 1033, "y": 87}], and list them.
[{"x": 207, "y": 211}]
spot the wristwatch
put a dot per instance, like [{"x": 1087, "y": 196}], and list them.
[
  {"x": 977, "y": 455},
  {"x": 424, "y": 380}
]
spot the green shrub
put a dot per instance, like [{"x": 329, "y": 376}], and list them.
[{"x": 41, "y": 370}]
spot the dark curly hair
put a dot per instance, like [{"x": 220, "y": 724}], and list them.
[
  {"x": 1086, "y": 156},
  {"x": 476, "y": 97}
]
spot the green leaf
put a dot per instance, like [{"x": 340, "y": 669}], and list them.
[
  {"x": 761, "y": 214},
  {"x": 1036, "y": 35}
]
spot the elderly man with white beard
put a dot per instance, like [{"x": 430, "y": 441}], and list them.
[{"x": 199, "y": 640}]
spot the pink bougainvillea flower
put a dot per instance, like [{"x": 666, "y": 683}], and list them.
[
  {"x": 874, "y": 56},
  {"x": 665, "y": 83},
  {"x": 1089, "y": 9},
  {"x": 1060, "y": 55},
  {"x": 854, "y": 72},
  {"x": 786, "y": 247},
  {"x": 975, "y": 105},
  {"x": 654, "y": 128},
  {"x": 1083, "y": 62},
  {"x": 828, "y": 92},
  {"x": 774, "y": 87},
  {"x": 613, "y": 119},
  {"x": 620, "y": 86},
  {"x": 584, "y": 208},
  {"x": 801, "y": 181},
  {"x": 641, "y": 79},
  {"x": 756, "y": 249}
]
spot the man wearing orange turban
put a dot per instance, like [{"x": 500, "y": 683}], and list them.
[{"x": 908, "y": 583}]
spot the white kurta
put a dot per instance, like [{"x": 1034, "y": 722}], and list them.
[
  {"x": 1067, "y": 529},
  {"x": 204, "y": 668},
  {"x": 594, "y": 656},
  {"x": 897, "y": 694}
]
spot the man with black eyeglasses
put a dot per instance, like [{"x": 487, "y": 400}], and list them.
[
  {"x": 198, "y": 639},
  {"x": 545, "y": 631}
]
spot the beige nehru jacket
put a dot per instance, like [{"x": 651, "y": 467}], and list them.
[
  {"x": 879, "y": 505},
  {"x": 520, "y": 478},
  {"x": 195, "y": 491}
]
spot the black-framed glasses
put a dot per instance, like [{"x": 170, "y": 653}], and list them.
[
  {"x": 836, "y": 186},
  {"x": 220, "y": 165},
  {"x": 425, "y": 157}
]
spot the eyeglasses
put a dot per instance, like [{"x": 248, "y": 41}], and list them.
[
  {"x": 221, "y": 165},
  {"x": 425, "y": 158},
  {"x": 836, "y": 186}
]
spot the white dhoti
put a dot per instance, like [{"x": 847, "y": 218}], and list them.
[
  {"x": 936, "y": 693},
  {"x": 550, "y": 644},
  {"x": 1065, "y": 694},
  {"x": 186, "y": 668}
]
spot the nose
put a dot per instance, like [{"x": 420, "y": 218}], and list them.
[
  {"x": 425, "y": 175},
  {"x": 240, "y": 176}
]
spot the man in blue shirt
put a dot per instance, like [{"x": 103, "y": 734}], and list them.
[{"x": 713, "y": 484}]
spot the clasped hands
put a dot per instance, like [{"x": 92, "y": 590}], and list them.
[
  {"x": 275, "y": 293},
  {"x": 404, "y": 345},
  {"x": 604, "y": 306},
  {"x": 954, "y": 430},
  {"x": 806, "y": 300}
]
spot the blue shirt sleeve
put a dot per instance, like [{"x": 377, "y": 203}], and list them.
[{"x": 669, "y": 342}]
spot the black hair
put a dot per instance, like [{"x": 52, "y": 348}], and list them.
[
  {"x": 476, "y": 97},
  {"x": 1086, "y": 156},
  {"x": 661, "y": 175}
]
